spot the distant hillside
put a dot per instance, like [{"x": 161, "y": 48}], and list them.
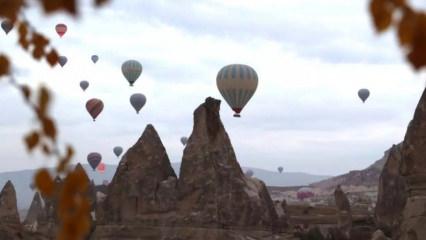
[
  {"x": 367, "y": 177},
  {"x": 22, "y": 179}
]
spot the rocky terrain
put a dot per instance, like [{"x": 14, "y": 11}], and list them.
[{"x": 211, "y": 197}]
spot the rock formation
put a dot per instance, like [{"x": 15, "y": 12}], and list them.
[
  {"x": 344, "y": 215},
  {"x": 379, "y": 235},
  {"x": 36, "y": 214},
  {"x": 143, "y": 175},
  {"x": 414, "y": 171},
  {"x": 8, "y": 208},
  {"x": 391, "y": 195},
  {"x": 219, "y": 193}
]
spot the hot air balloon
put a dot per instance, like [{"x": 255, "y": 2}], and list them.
[
  {"x": 131, "y": 69},
  {"x": 117, "y": 151},
  {"x": 101, "y": 167},
  {"x": 7, "y": 26},
  {"x": 249, "y": 173},
  {"x": 237, "y": 83},
  {"x": 305, "y": 192},
  {"x": 95, "y": 58},
  {"x": 280, "y": 169},
  {"x": 94, "y": 106},
  {"x": 184, "y": 140},
  {"x": 62, "y": 60},
  {"x": 84, "y": 85},
  {"x": 363, "y": 94},
  {"x": 137, "y": 100},
  {"x": 94, "y": 159},
  {"x": 61, "y": 29}
]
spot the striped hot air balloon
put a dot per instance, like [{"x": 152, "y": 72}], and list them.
[
  {"x": 94, "y": 106},
  {"x": 237, "y": 83},
  {"x": 61, "y": 29},
  {"x": 94, "y": 159},
  {"x": 131, "y": 69}
]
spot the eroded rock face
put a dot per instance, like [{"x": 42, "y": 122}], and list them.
[
  {"x": 344, "y": 215},
  {"x": 36, "y": 214},
  {"x": 392, "y": 194},
  {"x": 414, "y": 171},
  {"x": 212, "y": 187},
  {"x": 8, "y": 208},
  {"x": 144, "y": 174}
]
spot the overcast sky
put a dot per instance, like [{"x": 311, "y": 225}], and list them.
[{"x": 311, "y": 58}]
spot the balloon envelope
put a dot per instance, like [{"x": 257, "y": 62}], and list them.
[
  {"x": 101, "y": 167},
  {"x": 237, "y": 83},
  {"x": 61, "y": 29},
  {"x": 95, "y": 58},
  {"x": 7, "y": 26},
  {"x": 117, "y": 151},
  {"x": 249, "y": 173},
  {"x": 137, "y": 100},
  {"x": 94, "y": 159},
  {"x": 131, "y": 69},
  {"x": 94, "y": 106},
  {"x": 62, "y": 60},
  {"x": 280, "y": 169},
  {"x": 84, "y": 85},
  {"x": 363, "y": 94},
  {"x": 184, "y": 140}
]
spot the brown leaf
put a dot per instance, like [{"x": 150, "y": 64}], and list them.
[
  {"x": 49, "y": 128},
  {"x": 10, "y": 8},
  {"x": 52, "y": 58},
  {"x": 26, "y": 91},
  {"x": 38, "y": 53},
  {"x": 381, "y": 11},
  {"x": 23, "y": 30},
  {"x": 51, "y": 6},
  {"x": 406, "y": 27},
  {"x": 31, "y": 140},
  {"x": 4, "y": 65},
  {"x": 39, "y": 41},
  {"x": 24, "y": 43},
  {"x": 43, "y": 100},
  {"x": 417, "y": 55},
  {"x": 44, "y": 182},
  {"x": 99, "y": 3}
]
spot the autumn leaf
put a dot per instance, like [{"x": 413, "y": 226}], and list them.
[
  {"x": 50, "y": 6},
  {"x": 99, "y": 3},
  {"x": 39, "y": 40},
  {"x": 406, "y": 27},
  {"x": 10, "y": 8},
  {"x": 26, "y": 91},
  {"x": 38, "y": 53},
  {"x": 381, "y": 11},
  {"x": 49, "y": 128},
  {"x": 4, "y": 65},
  {"x": 44, "y": 182},
  {"x": 31, "y": 140},
  {"x": 43, "y": 100},
  {"x": 52, "y": 57}
]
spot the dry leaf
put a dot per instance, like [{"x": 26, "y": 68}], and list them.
[
  {"x": 52, "y": 58},
  {"x": 31, "y": 140},
  {"x": 4, "y": 65},
  {"x": 10, "y": 8},
  {"x": 43, "y": 100},
  {"x": 38, "y": 53},
  {"x": 406, "y": 27},
  {"x": 44, "y": 182},
  {"x": 49, "y": 128},
  {"x": 381, "y": 11},
  {"x": 26, "y": 91}
]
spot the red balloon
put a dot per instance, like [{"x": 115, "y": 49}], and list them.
[
  {"x": 94, "y": 106},
  {"x": 61, "y": 29},
  {"x": 101, "y": 167}
]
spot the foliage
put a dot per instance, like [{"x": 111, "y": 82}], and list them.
[
  {"x": 73, "y": 205},
  {"x": 409, "y": 23}
]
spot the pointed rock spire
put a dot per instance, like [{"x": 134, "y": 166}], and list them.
[
  {"x": 36, "y": 212},
  {"x": 8, "y": 206},
  {"x": 212, "y": 187},
  {"x": 139, "y": 178}
]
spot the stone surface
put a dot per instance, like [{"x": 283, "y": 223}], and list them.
[
  {"x": 391, "y": 195},
  {"x": 143, "y": 173},
  {"x": 36, "y": 214},
  {"x": 344, "y": 215},
  {"x": 413, "y": 169},
  {"x": 8, "y": 208},
  {"x": 213, "y": 189},
  {"x": 379, "y": 235}
]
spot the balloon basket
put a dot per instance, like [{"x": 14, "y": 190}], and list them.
[{"x": 237, "y": 115}]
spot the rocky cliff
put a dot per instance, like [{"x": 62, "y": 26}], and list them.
[
  {"x": 211, "y": 190},
  {"x": 413, "y": 169}
]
